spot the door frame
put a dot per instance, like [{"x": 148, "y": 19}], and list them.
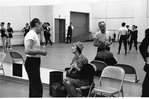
[{"x": 64, "y": 28}]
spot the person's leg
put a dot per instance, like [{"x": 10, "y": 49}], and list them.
[
  {"x": 45, "y": 39},
  {"x": 4, "y": 43},
  {"x": 32, "y": 66},
  {"x": 120, "y": 44},
  {"x": 145, "y": 86},
  {"x": 50, "y": 41},
  {"x": 125, "y": 44},
  {"x": 67, "y": 38},
  {"x": 135, "y": 42},
  {"x": 130, "y": 45},
  {"x": 8, "y": 46},
  {"x": 70, "y": 89},
  {"x": 70, "y": 38}
]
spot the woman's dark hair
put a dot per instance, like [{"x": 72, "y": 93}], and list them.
[
  {"x": 78, "y": 49},
  {"x": 34, "y": 21},
  {"x": 8, "y": 23},
  {"x": 2, "y": 23},
  {"x": 48, "y": 23},
  {"x": 127, "y": 26},
  {"x": 123, "y": 24}
]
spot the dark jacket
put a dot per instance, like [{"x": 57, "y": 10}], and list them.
[
  {"x": 106, "y": 56},
  {"x": 143, "y": 49},
  {"x": 69, "y": 30},
  {"x": 87, "y": 72}
]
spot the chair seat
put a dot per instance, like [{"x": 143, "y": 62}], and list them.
[
  {"x": 130, "y": 78},
  {"x": 20, "y": 62},
  {"x": 84, "y": 87},
  {"x": 108, "y": 90}
]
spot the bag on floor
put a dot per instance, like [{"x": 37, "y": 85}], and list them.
[{"x": 58, "y": 90}]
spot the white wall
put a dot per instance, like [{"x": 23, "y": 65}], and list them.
[
  {"x": 19, "y": 15},
  {"x": 64, "y": 12},
  {"x": 116, "y": 12}
]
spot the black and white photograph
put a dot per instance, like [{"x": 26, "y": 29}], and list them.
[{"x": 74, "y": 48}]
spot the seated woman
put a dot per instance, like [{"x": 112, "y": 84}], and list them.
[
  {"x": 78, "y": 62},
  {"x": 104, "y": 55}
]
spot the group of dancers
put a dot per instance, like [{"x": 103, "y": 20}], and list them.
[
  {"x": 6, "y": 35},
  {"x": 127, "y": 36}
]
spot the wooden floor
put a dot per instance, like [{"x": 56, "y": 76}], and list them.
[{"x": 60, "y": 56}]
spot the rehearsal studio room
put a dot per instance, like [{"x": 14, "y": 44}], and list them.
[{"x": 74, "y": 48}]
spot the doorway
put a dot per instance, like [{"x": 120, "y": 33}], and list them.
[
  {"x": 60, "y": 30},
  {"x": 80, "y": 21}
]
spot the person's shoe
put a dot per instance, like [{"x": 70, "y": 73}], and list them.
[
  {"x": 128, "y": 51},
  {"x": 44, "y": 46},
  {"x": 118, "y": 53},
  {"x": 138, "y": 52},
  {"x": 125, "y": 53}
]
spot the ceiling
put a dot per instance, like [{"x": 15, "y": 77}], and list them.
[{"x": 49, "y": 2}]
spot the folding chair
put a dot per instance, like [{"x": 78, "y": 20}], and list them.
[
  {"x": 2, "y": 58},
  {"x": 100, "y": 65},
  {"x": 16, "y": 56},
  {"x": 129, "y": 70},
  {"x": 111, "y": 73},
  {"x": 90, "y": 87},
  {"x": 18, "y": 62}
]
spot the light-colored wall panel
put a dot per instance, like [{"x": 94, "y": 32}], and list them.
[
  {"x": 120, "y": 9},
  {"x": 16, "y": 15},
  {"x": 99, "y": 10},
  {"x": 115, "y": 24}
]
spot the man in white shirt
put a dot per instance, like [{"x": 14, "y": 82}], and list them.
[
  {"x": 122, "y": 37},
  {"x": 32, "y": 63},
  {"x": 102, "y": 36}
]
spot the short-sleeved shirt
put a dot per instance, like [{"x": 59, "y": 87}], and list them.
[
  {"x": 123, "y": 31},
  {"x": 32, "y": 35},
  {"x": 81, "y": 60},
  {"x": 103, "y": 37}
]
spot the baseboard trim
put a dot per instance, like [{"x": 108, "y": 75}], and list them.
[{"x": 22, "y": 81}]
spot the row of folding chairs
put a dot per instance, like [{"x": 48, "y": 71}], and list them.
[{"x": 116, "y": 72}]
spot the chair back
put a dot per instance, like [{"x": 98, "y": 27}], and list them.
[
  {"x": 16, "y": 55},
  {"x": 113, "y": 72},
  {"x": 128, "y": 69},
  {"x": 2, "y": 57},
  {"x": 112, "y": 77},
  {"x": 100, "y": 65}
]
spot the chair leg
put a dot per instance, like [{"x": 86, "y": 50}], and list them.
[
  {"x": 95, "y": 94},
  {"x": 3, "y": 74},
  {"x": 122, "y": 93}
]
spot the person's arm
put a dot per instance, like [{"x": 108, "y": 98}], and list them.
[
  {"x": 118, "y": 35},
  {"x": 30, "y": 51},
  {"x": 143, "y": 50},
  {"x": 95, "y": 42}
]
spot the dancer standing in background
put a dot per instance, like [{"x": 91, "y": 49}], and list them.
[
  {"x": 10, "y": 31},
  {"x": 128, "y": 35},
  {"x": 102, "y": 36},
  {"x": 122, "y": 36},
  {"x": 48, "y": 34},
  {"x": 26, "y": 29},
  {"x": 69, "y": 33},
  {"x": 134, "y": 37},
  {"x": 4, "y": 36}
]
